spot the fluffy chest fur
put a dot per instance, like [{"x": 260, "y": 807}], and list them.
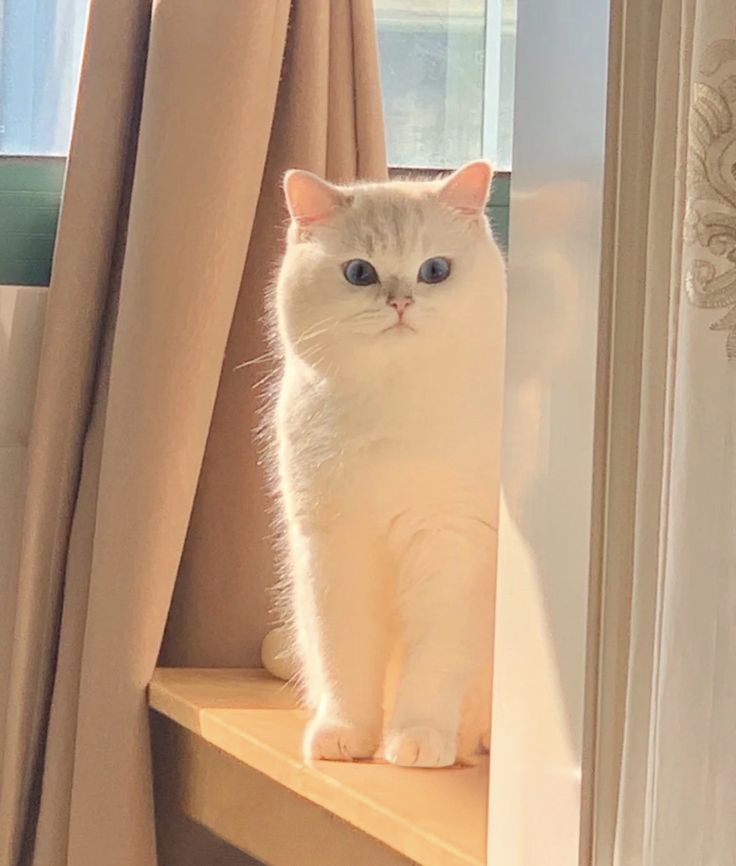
[{"x": 390, "y": 437}]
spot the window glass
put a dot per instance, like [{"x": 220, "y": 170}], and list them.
[
  {"x": 447, "y": 71},
  {"x": 40, "y": 53}
]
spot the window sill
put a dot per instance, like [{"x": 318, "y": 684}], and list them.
[{"x": 228, "y": 744}]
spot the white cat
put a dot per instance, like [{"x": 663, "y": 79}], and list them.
[{"x": 390, "y": 315}]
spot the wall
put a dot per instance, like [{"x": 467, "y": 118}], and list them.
[{"x": 30, "y": 194}]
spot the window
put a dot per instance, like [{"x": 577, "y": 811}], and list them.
[
  {"x": 447, "y": 70},
  {"x": 40, "y": 53}
]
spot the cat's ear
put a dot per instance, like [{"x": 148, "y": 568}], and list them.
[
  {"x": 309, "y": 198},
  {"x": 468, "y": 188}
]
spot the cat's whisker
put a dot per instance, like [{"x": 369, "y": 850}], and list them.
[
  {"x": 310, "y": 338},
  {"x": 373, "y": 313},
  {"x": 306, "y": 336},
  {"x": 261, "y": 359},
  {"x": 315, "y": 357},
  {"x": 313, "y": 331},
  {"x": 270, "y": 375},
  {"x": 307, "y": 352}
]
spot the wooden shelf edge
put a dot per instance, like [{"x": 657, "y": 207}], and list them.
[{"x": 427, "y": 817}]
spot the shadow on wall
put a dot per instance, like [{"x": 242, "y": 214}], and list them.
[
  {"x": 546, "y": 471},
  {"x": 544, "y": 381}
]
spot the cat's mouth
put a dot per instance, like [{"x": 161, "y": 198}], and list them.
[{"x": 398, "y": 328}]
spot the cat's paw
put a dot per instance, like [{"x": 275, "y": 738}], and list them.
[
  {"x": 330, "y": 740},
  {"x": 420, "y": 746}
]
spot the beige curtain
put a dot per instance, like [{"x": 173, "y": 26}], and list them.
[
  {"x": 188, "y": 113},
  {"x": 328, "y": 104},
  {"x": 667, "y": 786}
]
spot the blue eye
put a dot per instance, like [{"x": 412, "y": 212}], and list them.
[
  {"x": 359, "y": 272},
  {"x": 434, "y": 270}
]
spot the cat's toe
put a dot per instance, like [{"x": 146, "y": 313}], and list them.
[
  {"x": 328, "y": 740},
  {"x": 420, "y": 746}
]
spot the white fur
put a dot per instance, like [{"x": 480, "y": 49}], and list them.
[{"x": 388, "y": 466}]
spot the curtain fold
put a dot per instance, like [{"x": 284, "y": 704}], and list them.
[
  {"x": 74, "y": 323},
  {"x": 328, "y": 120},
  {"x": 676, "y": 797},
  {"x": 187, "y": 115}
]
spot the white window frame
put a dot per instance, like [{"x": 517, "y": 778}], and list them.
[{"x": 550, "y": 554}]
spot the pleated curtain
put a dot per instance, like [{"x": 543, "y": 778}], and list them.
[{"x": 140, "y": 457}]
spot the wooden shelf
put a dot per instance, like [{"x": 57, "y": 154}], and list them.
[{"x": 233, "y": 756}]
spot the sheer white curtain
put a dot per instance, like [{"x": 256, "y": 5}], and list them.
[{"x": 675, "y": 803}]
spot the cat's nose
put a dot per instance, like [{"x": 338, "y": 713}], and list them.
[{"x": 400, "y": 304}]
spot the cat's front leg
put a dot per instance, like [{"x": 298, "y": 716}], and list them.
[
  {"x": 445, "y": 602},
  {"x": 342, "y": 625}
]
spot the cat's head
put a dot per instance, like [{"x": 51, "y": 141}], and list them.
[{"x": 387, "y": 269}]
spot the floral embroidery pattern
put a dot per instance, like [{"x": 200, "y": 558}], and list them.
[{"x": 710, "y": 220}]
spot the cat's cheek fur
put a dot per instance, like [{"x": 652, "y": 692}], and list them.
[{"x": 388, "y": 467}]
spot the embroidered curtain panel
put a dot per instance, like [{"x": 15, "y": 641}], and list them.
[{"x": 671, "y": 800}]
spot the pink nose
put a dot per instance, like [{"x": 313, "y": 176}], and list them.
[{"x": 400, "y": 304}]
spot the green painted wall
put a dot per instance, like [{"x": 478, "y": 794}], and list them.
[
  {"x": 30, "y": 195},
  {"x": 498, "y": 208}
]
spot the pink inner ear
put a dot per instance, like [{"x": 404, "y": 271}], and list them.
[
  {"x": 309, "y": 198},
  {"x": 467, "y": 189}
]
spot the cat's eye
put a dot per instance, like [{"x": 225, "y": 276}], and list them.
[
  {"x": 360, "y": 272},
  {"x": 434, "y": 270}
]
